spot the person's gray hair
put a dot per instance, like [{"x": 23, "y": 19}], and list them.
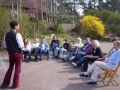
[
  {"x": 118, "y": 42},
  {"x": 96, "y": 42},
  {"x": 79, "y": 38},
  {"x": 37, "y": 39},
  {"x": 87, "y": 38}
]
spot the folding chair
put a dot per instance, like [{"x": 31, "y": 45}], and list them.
[
  {"x": 110, "y": 74},
  {"x": 2, "y": 64}
]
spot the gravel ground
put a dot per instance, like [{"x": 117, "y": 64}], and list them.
[{"x": 56, "y": 75}]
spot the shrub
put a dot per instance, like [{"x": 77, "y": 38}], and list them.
[
  {"x": 5, "y": 18},
  {"x": 60, "y": 29},
  {"x": 92, "y": 26}
]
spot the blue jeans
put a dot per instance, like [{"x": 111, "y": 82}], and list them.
[
  {"x": 27, "y": 52},
  {"x": 59, "y": 51},
  {"x": 69, "y": 56},
  {"x": 79, "y": 55},
  {"x": 48, "y": 53},
  {"x": 80, "y": 61},
  {"x": 53, "y": 49}
]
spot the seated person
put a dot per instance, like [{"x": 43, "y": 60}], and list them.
[
  {"x": 80, "y": 58},
  {"x": 110, "y": 63},
  {"x": 54, "y": 44},
  {"x": 76, "y": 45},
  {"x": 26, "y": 49},
  {"x": 91, "y": 58},
  {"x": 59, "y": 50},
  {"x": 34, "y": 49},
  {"x": 44, "y": 48},
  {"x": 85, "y": 50},
  {"x": 86, "y": 45}
]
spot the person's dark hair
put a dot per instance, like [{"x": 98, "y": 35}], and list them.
[
  {"x": 66, "y": 39},
  {"x": 24, "y": 40},
  {"x": 13, "y": 24}
]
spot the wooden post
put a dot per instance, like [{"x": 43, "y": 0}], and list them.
[
  {"x": 17, "y": 12},
  {"x": 12, "y": 9},
  {"x": 20, "y": 10},
  {"x": 51, "y": 10},
  {"x": 41, "y": 10}
]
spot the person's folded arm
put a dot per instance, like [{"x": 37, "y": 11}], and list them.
[{"x": 116, "y": 60}]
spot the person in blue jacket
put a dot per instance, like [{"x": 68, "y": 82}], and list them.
[{"x": 44, "y": 48}]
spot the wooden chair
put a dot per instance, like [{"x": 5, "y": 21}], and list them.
[{"x": 110, "y": 74}]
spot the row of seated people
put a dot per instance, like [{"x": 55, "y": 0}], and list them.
[
  {"x": 59, "y": 50},
  {"x": 109, "y": 62},
  {"x": 35, "y": 49},
  {"x": 39, "y": 48},
  {"x": 91, "y": 52}
]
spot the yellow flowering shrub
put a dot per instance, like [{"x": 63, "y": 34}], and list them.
[{"x": 92, "y": 26}]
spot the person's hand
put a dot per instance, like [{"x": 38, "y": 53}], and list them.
[
  {"x": 83, "y": 52},
  {"x": 106, "y": 61},
  {"x": 25, "y": 49},
  {"x": 55, "y": 43},
  {"x": 87, "y": 56},
  {"x": 90, "y": 56},
  {"x": 45, "y": 51}
]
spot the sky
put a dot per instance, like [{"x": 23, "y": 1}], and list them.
[
  {"x": 79, "y": 7},
  {"x": 80, "y": 10}
]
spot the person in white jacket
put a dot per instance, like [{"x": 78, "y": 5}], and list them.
[
  {"x": 26, "y": 49},
  {"x": 34, "y": 48}
]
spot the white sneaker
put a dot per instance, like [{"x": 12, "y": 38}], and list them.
[{"x": 74, "y": 64}]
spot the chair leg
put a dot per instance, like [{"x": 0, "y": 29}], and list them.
[
  {"x": 117, "y": 75},
  {"x": 112, "y": 75},
  {"x": 106, "y": 74},
  {"x": 116, "y": 81}
]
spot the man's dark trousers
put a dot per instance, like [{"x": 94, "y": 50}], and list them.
[{"x": 14, "y": 59}]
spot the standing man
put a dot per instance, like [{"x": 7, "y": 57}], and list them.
[{"x": 14, "y": 44}]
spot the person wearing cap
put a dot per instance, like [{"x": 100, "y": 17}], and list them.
[{"x": 59, "y": 50}]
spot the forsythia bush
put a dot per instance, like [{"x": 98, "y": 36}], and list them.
[{"x": 92, "y": 26}]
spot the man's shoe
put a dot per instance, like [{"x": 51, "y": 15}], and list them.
[
  {"x": 27, "y": 60},
  {"x": 82, "y": 75},
  {"x": 36, "y": 60},
  {"x": 48, "y": 59},
  {"x": 64, "y": 59},
  {"x": 83, "y": 70},
  {"x": 91, "y": 83},
  {"x": 56, "y": 57},
  {"x": 40, "y": 59},
  {"x": 14, "y": 87},
  {"x": 3, "y": 87},
  {"x": 74, "y": 64}
]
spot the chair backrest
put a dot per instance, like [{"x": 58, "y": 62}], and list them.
[
  {"x": 117, "y": 67},
  {"x": 110, "y": 74}
]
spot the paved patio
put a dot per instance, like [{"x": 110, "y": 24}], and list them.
[{"x": 56, "y": 75}]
